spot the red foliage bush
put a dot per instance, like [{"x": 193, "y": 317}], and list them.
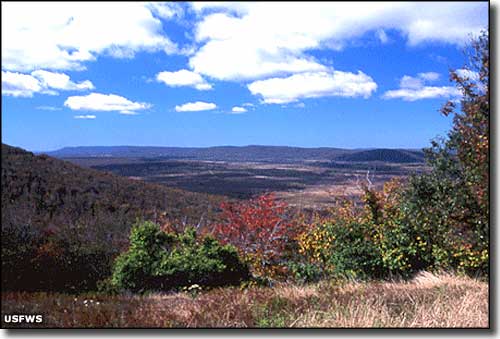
[{"x": 261, "y": 230}]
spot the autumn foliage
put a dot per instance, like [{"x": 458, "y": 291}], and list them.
[
  {"x": 261, "y": 230},
  {"x": 470, "y": 133}
]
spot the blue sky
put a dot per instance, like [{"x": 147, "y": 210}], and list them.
[{"x": 204, "y": 74}]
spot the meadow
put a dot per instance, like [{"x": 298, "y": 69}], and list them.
[{"x": 428, "y": 300}]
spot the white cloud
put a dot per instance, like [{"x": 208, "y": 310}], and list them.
[
  {"x": 429, "y": 76},
  {"x": 65, "y": 35},
  {"x": 196, "y": 106},
  {"x": 418, "y": 81},
  {"x": 313, "y": 85},
  {"x": 238, "y": 109},
  {"x": 255, "y": 40},
  {"x": 60, "y": 81},
  {"x": 237, "y": 60},
  {"x": 20, "y": 85},
  {"x": 410, "y": 82},
  {"x": 414, "y": 88},
  {"x": 183, "y": 77},
  {"x": 248, "y": 104},
  {"x": 88, "y": 116},
  {"x": 25, "y": 85},
  {"x": 104, "y": 102},
  {"x": 427, "y": 92}
]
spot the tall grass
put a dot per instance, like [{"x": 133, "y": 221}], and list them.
[{"x": 426, "y": 301}]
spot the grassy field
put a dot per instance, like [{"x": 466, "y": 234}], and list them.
[{"x": 426, "y": 301}]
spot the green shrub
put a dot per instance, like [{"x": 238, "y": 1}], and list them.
[
  {"x": 353, "y": 252},
  {"x": 165, "y": 261},
  {"x": 340, "y": 248},
  {"x": 430, "y": 223},
  {"x": 304, "y": 272},
  {"x": 441, "y": 211}
]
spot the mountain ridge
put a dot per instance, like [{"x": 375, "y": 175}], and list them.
[{"x": 244, "y": 153}]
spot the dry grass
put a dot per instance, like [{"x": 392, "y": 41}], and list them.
[{"x": 426, "y": 301}]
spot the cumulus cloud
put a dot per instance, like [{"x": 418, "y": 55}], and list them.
[
  {"x": 87, "y": 116},
  {"x": 60, "y": 81},
  {"x": 427, "y": 92},
  {"x": 418, "y": 81},
  {"x": 414, "y": 88},
  {"x": 62, "y": 36},
  {"x": 44, "y": 82},
  {"x": 254, "y": 40},
  {"x": 313, "y": 85},
  {"x": 238, "y": 109},
  {"x": 237, "y": 60},
  {"x": 410, "y": 82},
  {"x": 19, "y": 85},
  {"x": 104, "y": 102},
  {"x": 429, "y": 76},
  {"x": 196, "y": 106},
  {"x": 183, "y": 77}
]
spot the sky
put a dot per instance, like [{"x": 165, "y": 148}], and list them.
[{"x": 329, "y": 74}]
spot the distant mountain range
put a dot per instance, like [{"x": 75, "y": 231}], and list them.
[
  {"x": 245, "y": 153},
  {"x": 387, "y": 155}
]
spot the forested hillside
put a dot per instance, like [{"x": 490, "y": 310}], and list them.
[{"x": 52, "y": 205}]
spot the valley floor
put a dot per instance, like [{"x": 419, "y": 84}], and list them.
[
  {"x": 426, "y": 301},
  {"x": 306, "y": 184}
]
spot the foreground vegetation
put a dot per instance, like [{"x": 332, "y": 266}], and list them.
[{"x": 426, "y": 301}]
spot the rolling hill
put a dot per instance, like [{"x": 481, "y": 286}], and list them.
[
  {"x": 49, "y": 192},
  {"x": 275, "y": 154},
  {"x": 384, "y": 155},
  {"x": 63, "y": 225}
]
